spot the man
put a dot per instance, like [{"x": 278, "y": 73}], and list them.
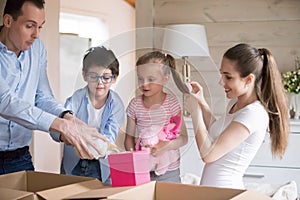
[{"x": 26, "y": 99}]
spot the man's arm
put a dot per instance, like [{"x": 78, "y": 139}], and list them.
[{"x": 22, "y": 112}]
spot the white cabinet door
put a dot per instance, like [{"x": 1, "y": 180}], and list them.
[
  {"x": 272, "y": 175},
  {"x": 290, "y": 158}
]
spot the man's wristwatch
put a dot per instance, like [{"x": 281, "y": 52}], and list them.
[{"x": 62, "y": 114}]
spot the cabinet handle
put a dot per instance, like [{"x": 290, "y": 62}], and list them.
[{"x": 254, "y": 175}]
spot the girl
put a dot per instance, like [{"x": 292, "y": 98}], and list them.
[
  {"x": 152, "y": 111},
  {"x": 258, "y": 104}
]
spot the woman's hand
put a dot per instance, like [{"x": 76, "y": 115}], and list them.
[
  {"x": 191, "y": 104},
  {"x": 196, "y": 104},
  {"x": 193, "y": 100},
  {"x": 197, "y": 92}
]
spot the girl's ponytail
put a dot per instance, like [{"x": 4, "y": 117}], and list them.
[{"x": 177, "y": 79}]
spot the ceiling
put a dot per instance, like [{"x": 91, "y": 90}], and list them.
[{"x": 131, "y": 2}]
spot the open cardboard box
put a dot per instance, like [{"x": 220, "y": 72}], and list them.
[
  {"x": 163, "y": 190},
  {"x": 42, "y": 185}
]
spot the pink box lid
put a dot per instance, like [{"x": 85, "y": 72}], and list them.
[{"x": 129, "y": 156}]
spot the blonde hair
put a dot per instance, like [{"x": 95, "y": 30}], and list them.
[{"x": 168, "y": 61}]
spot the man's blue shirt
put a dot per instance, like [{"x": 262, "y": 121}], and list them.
[{"x": 26, "y": 99}]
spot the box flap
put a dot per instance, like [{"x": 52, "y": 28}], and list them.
[
  {"x": 39, "y": 181},
  {"x": 102, "y": 193},
  {"x": 179, "y": 191},
  {"x": 175, "y": 191},
  {"x": 249, "y": 195},
  {"x": 15, "y": 194},
  {"x": 145, "y": 191},
  {"x": 16, "y": 181},
  {"x": 48, "y": 185},
  {"x": 72, "y": 189}
]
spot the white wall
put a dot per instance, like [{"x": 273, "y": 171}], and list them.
[
  {"x": 45, "y": 152},
  {"x": 2, "y": 3},
  {"x": 271, "y": 24},
  {"x": 119, "y": 17}
]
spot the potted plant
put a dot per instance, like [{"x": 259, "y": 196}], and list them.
[{"x": 291, "y": 81}]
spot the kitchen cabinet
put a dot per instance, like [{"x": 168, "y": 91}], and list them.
[{"x": 267, "y": 169}]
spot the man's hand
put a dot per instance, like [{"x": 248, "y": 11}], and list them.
[{"x": 77, "y": 133}]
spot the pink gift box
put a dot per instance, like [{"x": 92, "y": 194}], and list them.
[{"x": 129, "y": 168}]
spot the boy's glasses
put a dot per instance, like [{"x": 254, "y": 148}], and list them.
[{"x": 94, "y": 77}]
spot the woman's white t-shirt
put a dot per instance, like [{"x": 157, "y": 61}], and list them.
[{"x": 228, "y": 170}]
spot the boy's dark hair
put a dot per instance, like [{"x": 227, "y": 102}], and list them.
[
  {"x": 14, "y": 7},
  {"x": 100, "y": 56}
]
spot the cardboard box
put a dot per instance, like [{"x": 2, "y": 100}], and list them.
[
  {"x": 163, "y": 190},
  {"x": 15, "y": 194},
  {"x": 104, "y": 193},
  {"x": 42, "y": 185},
  {"x": 129, "y": 168}
]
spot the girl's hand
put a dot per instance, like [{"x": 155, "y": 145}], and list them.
[{"x": 159, "y": 148}]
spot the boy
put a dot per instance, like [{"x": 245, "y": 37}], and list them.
[{"x": 98, "y": 106}]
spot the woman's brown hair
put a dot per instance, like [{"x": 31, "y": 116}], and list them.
[{"x": 268, "y": 87}]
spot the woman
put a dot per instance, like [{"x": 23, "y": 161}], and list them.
[{"x": 257, "y": 105}]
